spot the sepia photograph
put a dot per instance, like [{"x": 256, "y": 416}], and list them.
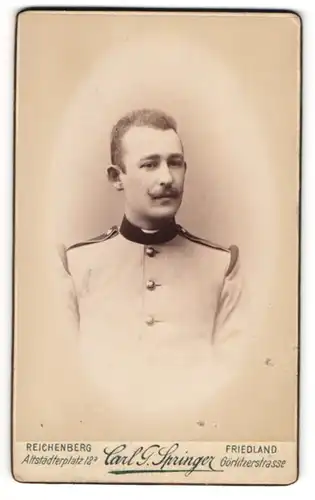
[{"x": 156, "y": 271}]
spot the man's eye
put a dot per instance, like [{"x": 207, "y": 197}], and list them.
[
  {"x": 176, "y": 163},
  {"x": 150, "y": 164}
]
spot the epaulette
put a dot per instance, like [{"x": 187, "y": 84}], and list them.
[
  {"x": 233, "y": 249},
  {"x": 113, "y": 231},
  {"x": 201, "y": 241}
]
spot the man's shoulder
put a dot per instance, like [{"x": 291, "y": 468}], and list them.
[
  {"x": 81, "y": 254},
  {"x": 230, "y": 253},
  {"x": 201, "y": 241},
  {"x": 110, "y": 233}
]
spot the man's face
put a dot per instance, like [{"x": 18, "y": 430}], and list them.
[{"x": 154, "y": 175}]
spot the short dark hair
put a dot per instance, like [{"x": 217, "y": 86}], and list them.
[{"x": 145, "y": 117}]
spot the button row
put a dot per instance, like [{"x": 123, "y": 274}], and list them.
[{"x": 151, "y": 285}]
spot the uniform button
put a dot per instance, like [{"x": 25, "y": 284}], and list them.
[
  {"x": 150, "y": 320},
  {"x": 150, "y": 285},
  {"x": 150, "y": 251}
]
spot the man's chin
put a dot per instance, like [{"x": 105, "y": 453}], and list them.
[{"x": 163, "y": 213}]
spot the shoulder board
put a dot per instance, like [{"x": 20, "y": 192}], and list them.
[
  {"x": 186, "y": 234},
  {"x": 113, "y": 231}
]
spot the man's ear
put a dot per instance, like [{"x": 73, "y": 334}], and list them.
[{"x": 114, "y": 176}]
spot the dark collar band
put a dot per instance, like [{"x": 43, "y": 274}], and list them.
[{"x": 135, "y": 234}]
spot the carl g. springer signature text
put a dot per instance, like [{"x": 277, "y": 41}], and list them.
[{"x": 156, "y": 458}]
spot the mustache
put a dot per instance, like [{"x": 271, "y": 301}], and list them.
[{"x": 169, "y": 192}]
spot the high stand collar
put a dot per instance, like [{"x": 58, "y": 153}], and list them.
[{"x": 135, "y": 233}]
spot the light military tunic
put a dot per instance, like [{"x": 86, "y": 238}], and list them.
[
  {"x": 162, "y": 288},
  {"x": 150, "y": 310}
]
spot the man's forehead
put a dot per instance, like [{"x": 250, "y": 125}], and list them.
[{"x": 144, "y": 141}]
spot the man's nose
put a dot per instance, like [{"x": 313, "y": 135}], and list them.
[{"x": 165, "y": 177}]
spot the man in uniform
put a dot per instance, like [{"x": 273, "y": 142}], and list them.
[{"x": 149, "y": 283}]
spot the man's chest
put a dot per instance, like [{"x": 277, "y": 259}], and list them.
[
  {"x": 149, "y": 290},
  {"x": 147, "y": 310}
]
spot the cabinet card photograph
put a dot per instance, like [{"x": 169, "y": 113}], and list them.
[{"x": 156, "y": 246}]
